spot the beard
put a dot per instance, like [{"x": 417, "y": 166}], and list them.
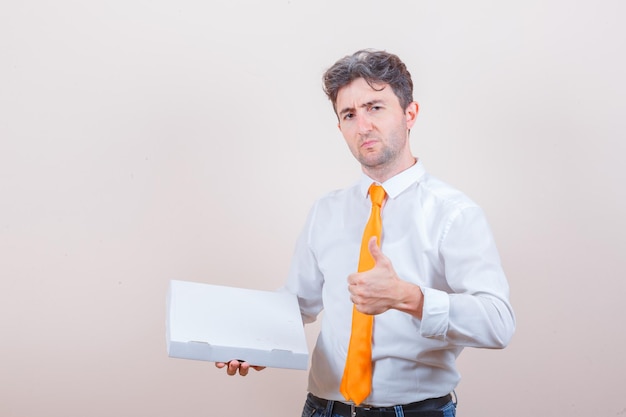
[
  {"x": 387, "y": 154},
  {"x": 383, "y": 157}
]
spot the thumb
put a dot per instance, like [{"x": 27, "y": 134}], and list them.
[{"x": 375, "y": 251}]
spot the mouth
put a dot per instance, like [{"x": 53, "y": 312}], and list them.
[{"x": 368, "y": 143}]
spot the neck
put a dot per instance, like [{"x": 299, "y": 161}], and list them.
[{"x": 382, "y": 173}]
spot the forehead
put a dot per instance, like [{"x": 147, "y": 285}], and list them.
[{"x": 360, "y": 92}]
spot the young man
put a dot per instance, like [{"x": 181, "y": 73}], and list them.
[{"x": 434, "y": 284}]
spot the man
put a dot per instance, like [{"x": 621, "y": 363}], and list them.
[{"x": 435, "y": 284}]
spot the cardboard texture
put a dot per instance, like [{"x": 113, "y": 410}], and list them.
[{"x": 217, "y": 323}]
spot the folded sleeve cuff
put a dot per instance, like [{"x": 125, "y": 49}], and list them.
[{"x": 436, "y": 313}]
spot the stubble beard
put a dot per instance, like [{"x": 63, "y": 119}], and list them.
[
  {"x": 384, "y": 157},
  {"x": 388, "y": 154}
]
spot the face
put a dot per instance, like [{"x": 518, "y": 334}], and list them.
[{"x": 376, "y": 128}]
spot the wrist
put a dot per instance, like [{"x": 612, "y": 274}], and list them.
[{"x": 411, "y": 300}]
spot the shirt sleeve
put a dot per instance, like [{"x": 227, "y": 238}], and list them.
[
  {"x": 304, "y": 278},
  {"x": 476, "y": 312}
]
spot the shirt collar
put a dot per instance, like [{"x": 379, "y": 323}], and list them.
[{"x": 395, "y": 185}]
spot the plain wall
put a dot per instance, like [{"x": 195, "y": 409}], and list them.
[{"x": 143, "y": 141}]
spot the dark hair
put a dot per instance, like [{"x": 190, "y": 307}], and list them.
[{"x": 374, "y": 67}]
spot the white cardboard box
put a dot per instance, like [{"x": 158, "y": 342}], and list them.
[{"x": 217, "y": 323}]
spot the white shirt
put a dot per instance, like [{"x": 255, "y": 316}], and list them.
[{"x": 435, "y": 237}]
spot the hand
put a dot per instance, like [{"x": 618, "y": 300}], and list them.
[
  {"x": 380, "y": 289},
  {"x": 235, "y": 365}
]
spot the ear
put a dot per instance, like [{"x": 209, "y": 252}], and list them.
[{"x": 411, "y": 114}]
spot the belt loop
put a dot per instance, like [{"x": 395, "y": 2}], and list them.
[
  {"x": 399, "y": 411},
  {"x": 329, "y": 408}
]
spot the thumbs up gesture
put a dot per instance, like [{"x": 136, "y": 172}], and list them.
[{"x": 380, "y": 289}]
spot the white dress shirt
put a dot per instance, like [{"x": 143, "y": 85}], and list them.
[{"x": 435, "y": 237}]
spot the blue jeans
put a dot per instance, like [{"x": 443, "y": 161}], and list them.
[{"x": 311, "y": 409}]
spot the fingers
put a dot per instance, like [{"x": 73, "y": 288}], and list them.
[
  {"x": 242, "y": 367},
  {"x": 379, "y": 259},
  {"x": 235, "y": 366},
  {"x": 374, "y": 249},
  {"x": 371, "y": 291}
]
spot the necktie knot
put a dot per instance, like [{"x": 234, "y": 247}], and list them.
[{"x": 377, "y": 194}]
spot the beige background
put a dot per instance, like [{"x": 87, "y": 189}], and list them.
[{"x": 143, "y": 141}]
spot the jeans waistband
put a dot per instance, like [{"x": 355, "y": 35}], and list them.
[{"x": 425, "y": 408}]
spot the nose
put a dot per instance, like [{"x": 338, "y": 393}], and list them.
[{"x": 364, "y": 123}]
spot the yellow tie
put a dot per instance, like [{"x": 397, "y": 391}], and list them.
[{"x": 356, "y": 383}]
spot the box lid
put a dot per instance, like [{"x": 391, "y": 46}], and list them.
[{"x": 219, "y": 323}]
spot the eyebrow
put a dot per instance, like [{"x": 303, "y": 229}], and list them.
[{"x": 370, "y": 103}]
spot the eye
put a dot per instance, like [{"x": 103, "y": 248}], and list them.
[
  {"x": 376, "y": 108},
  {"x": 348, "y": 116}
]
